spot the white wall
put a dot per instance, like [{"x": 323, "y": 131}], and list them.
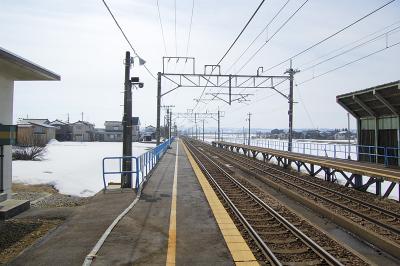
[{"x": 6, "y": 115}]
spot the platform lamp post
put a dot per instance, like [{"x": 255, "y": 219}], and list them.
[{"x": 126, "y": 176}]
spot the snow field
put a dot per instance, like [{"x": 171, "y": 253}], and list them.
[{"x": 74, "y": 168}]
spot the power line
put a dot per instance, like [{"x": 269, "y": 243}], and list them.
[
  {"x": 261, "y": 32},
  {"x": 349, "y": 63},
  {"x": 268, "y": 40},
  {"x": 241, "y": 32},
  {"x": 344, "y": 46},
  {"x": 351, "y": 49},
  {"x": 230, "y": 47},
  {"x": 190, "y": 30},
  {"x": 162, "y": 29},
  {"x": 126, "y": 38},
  {"x": 331, "y": 36},
  {"x": 176, "y": 42}
]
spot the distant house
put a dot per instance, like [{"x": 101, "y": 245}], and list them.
[
  {"x": 82, "y": 131},
  {"x": 63, "y": 130},
  {"x": 342, "y": 135},
  {"x": 149, "y": 133},
  {"x": 35, "y": 131},
  {"x": 113, "y": 131},
  {"x": 135, "y": 129}
]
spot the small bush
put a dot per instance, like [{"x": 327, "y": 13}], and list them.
[{"x": 28, "y": 153}]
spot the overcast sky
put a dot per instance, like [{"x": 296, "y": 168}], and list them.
[{"x": 79, "y": 41}]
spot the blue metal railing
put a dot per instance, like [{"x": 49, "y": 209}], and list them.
[
  {"x": 141, "y": 165},
  {"x": 373, "y": 154}
]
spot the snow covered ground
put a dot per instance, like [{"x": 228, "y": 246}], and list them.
[{"x": 74, "y": 168}]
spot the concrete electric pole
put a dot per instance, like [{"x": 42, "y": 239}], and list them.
[
  {"x": 126, "y": 177},
  {"x": 291, "y": 73}
]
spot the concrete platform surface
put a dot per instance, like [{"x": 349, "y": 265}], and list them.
[
  {"x": 73, "y": 240},
  {"x": 142, "y": 236},
  {"x": 11, "y": 207}
]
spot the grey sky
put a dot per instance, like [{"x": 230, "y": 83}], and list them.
[{"x": 79, "y": 41}]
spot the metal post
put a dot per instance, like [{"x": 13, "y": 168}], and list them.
[
  {"x": 230, "y": 89},
  {"x": 203, "y": 130},
  {"x": 219, "y": 118},
  {"x": 195, "y": 123},
  {"x": 126, "y": 178},
  {"x": 248, "y": 142},
  {"x": 158, "y": 107},
  {"x": 348, "y": 135},
  {"x": 168, "y": 125}
]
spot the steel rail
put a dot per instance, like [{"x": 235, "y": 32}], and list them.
[
  {"x": 366, "y": 204},
  {"x": 322, "y": 253},
  {"x": 377, "y": 222}
]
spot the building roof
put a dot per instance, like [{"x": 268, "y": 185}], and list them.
[
  {"x": 34, "y": 121},
  {"x": 18, "y": 68},
  {"x": 83, "y": 122},
  {"x": 58, "y": 122},
  {"x": 379, "y": 101}
]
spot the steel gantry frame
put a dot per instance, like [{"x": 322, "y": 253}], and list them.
[
  {"x": 196, "y": 116},
  {"x": 210, "y": 80}
]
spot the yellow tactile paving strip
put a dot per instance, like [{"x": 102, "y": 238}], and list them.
[{"x": 238, "y": 247}]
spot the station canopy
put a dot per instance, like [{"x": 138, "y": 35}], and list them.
[{"x": 374, "y": 102}]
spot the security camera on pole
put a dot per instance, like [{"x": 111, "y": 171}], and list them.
[{"x": 126, "y": 177}]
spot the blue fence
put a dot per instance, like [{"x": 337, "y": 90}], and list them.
[
  {"x": 373, "y": 154},
  {"x": 141, "y": 165}
]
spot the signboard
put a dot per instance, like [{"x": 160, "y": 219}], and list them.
[{"x": 8, "y": 135}]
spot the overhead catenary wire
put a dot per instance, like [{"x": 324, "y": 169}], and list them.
[
  {"x": 190, "y": 30},
  {"x": 230, "y": 47},
  {"x": 162, "y": 29},
  {"x": 273, "y": 35},
  {"x": 176, "y": 39},
  {"x": 258, "y": 36},
  {"x": 126, "y": 38},
  {"x": 351, "y": 49},
  {"x": 349, "y": 63},
  {"x": 347, "y": 45},
  {"x": 330, "y": 36}
]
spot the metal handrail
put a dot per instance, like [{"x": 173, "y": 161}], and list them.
[
  {"x": 344, "y": 151},
  {"x": 144, "y": 164}
]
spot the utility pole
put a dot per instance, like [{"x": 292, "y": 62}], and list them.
[
  {"x": 126, "y": 178},
  {"x": 248, "y": 119},
  {"x": 158, "y": 107},
  {"x": 291, "y": 73}
]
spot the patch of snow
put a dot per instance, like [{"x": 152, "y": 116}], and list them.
[{"x": 74, "y": 168}]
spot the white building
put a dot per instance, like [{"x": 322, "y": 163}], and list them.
[{"x": 13, "y": 68}]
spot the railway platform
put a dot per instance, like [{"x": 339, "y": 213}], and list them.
[
  {"x": 177, "y": 220},
  {"x": 352, "y": 171}
]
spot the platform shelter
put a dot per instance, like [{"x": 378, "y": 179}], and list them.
[{"x": 377, "y": 110}]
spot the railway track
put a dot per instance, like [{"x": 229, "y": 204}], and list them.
[
  {"x": 377, "y": 225},
  {"x": 278, "y": 234}
]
